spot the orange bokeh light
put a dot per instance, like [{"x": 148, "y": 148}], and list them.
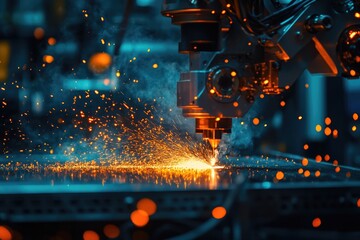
[
  {"x": 147, "y": 205},
  {"x": 335, "y": 133},
  {"x": 100, "y": 62},
  {"x": 305, "y": 162},
  {"x": 307, "y": 173},
  {"x": 48, "y": 58},
  {"x": 256, "y": 121},
  {"x": 280, "y": 175},
  {"x": 327, "y": 121},
  {"x": 111, "y": 231},
  {"x": 316, "y": 222},
  {"x": 318, "y": 158},
  {"x": 218, "y": 212},
  {"x": 5, "y": 233},
  {"x": 139, "y": 218},
  {"x": 327, "y": 131},
  {"x": 91, "y": 235},
  {"x": 39, "y": 33},
  {"x": 51, "y": 41},
  {"x": 355, "y": 116}
]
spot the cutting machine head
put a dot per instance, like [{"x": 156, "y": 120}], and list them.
[{"x": 241, "y": 48}]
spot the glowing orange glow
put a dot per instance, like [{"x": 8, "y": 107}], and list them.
[
  {"x": 139, "y": 218},
  {"x": 226, "y": 61},
  {"x": 266, "y": 82},
  {"x": 306, "y": 85},
  {"x": 256, "y": 121},
  {"x": 213, "y": 12},
  {"x": 353, "y": 128},
  {"x": 337, "y": 169},
  {"x": 317, "y": 173},
  {"x": 91, "y": 235},
  {"x": 233, "y": 74},
  {"x": 217, "y": 119},
  {"x": 327, "y": 157},
  {"x": 358, "y": 203},
  {"x": 235, "y": 104},
  {"x": 155, "y": 65},
  {"x": 111, "y": 231},
  {"x": 352, "y": 73},
  {"x": 307, "y": 173},
  {"x": 335, "y": 133},
  {"x": 223, "y": 12},
  {"x": 316, "y": 222},
  {"x": 48, "y": 58},
  {"x": 327, "y": 121},
  {"x": 39, "y": 33},
  {"x": 218, "y": 212},
  {"x": 5, "y": 234},
  {"x": 352, "y": 34},
  {"x": 99, "y": 62},
  {"x": 305, "y": 162},
  {"x": 300, "y": 171},
  {"x": 51, "y": 41},
  {"x": 355, "y": 116},
  {"x": 282, "y": 103},
  {"x": 318, "y": 158},
  {"x": 318, "y": 128},
  {"x": 147, "y": 205},
  {"x": 106, "y": 82},
  {"x": 327, "y": 131},
  {"x": 212, "y": 91},
  {"x": 228, "y": 5},
  {"x": 357, "y": 15},
  {"x": 287, "y": 87},
  {"x": 262, "y": 95},
  {"x": 280, "y": 175},
  {"x": 306, "y": 146},
  {"x": 335, "y": 162},
  {"x": 300, "y": 117}
]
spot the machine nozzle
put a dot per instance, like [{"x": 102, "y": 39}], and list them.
[{"x": 212, "y": 129}]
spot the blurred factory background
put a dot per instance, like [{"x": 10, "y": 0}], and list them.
[{"x": 70, "y": 71}]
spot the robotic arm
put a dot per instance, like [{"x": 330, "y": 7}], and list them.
[{"x": 239, "y": 49}]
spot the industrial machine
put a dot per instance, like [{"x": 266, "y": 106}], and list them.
[
  {"x": 241, "y": 49},
  {"x": 93, "y": 146}
]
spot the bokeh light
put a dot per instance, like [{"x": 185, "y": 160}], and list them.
[
  {"x": 100, "y": 62},
  {"x": 280, "y": 175},
  {"x": 316, "y": 222},
  {"x": 147, "y": 205},
  {"x": 91, "y": 235},
  {"x": 218, "y": 212},
  {"x": 5, "y": 233},
  {"x": 139, "y": 218},
  {"x": 111, "y": 231}
]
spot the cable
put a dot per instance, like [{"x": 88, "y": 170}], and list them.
[
  {"x": 254, "y": 18},
  {"x": 123, "y": 26}
]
